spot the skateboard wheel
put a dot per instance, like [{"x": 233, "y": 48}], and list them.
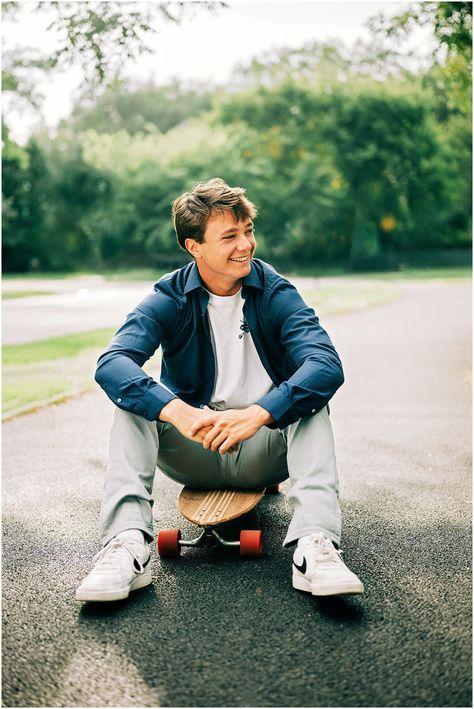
[
  {"x": 251, "y": 545},
  {"x": 273, "y": 489},
  {"x": 168, "y": 543}
]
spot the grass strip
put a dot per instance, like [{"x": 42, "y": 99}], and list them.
[
  {"x": 53, "y": 348},
  {"x": 10, "y": 294},
  {"x": 409, "y": 274}
]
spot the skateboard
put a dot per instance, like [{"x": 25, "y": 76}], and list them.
[{"x": 208, "y": 509}]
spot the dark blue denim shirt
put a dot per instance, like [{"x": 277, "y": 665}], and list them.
[{"x": 293, "y": 347}]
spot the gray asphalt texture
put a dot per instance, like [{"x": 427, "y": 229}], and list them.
[{"x": 214, "y": 630}]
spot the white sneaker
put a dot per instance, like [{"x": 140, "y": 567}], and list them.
[
  {"x": 319, "y": 569},
  {"x": 120, "y": 567}
]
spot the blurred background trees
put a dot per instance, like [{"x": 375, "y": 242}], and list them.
[{"x": 355, "y": 158}]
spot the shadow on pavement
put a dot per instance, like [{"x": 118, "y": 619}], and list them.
[{"x": 215, "y": 630}]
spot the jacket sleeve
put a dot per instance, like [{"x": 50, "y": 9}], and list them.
[
  {"x": 317, "y": 368},
  {"x": 119, "y": 370}
]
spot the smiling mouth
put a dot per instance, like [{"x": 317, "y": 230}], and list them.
[{"x": 243, "y": 259}]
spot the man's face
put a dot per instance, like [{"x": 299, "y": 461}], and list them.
[{"x": 223, "y": 259}]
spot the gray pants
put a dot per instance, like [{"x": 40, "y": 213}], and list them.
[{"x": 304, "y": 452}]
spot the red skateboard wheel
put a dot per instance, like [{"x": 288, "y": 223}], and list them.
[
  {"x": 273, "y": 489},
  {"x": 168, "y": 543},
  {"x": 251, "y": 545}
]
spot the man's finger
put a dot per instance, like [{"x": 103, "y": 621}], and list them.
[
  {"x": 200, "y": 423},
  {"x": 200, "y": 435},
  {"x": 228, "y": 447},
  {"x": 218, "y": 440}
]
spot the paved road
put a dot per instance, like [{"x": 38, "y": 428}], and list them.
[
  {"x": 216, "y": 631},
  {"x": 78, "y": 304},
  {"x": 74, "y": 305}
]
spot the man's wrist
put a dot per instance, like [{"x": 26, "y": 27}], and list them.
[
  {"x": 171, "y": 410},
  {"x": 262, "y": 416}
]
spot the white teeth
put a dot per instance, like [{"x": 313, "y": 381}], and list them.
[{"x": 240, "y": 260}]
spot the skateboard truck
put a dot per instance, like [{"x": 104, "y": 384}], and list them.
[
  {"x": 170, "y": 542},
  {"x": 208, "y": 538},
  {"x": 208, "y": 509}
]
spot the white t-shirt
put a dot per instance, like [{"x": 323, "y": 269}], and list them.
[{"x": 241, "y": 378}]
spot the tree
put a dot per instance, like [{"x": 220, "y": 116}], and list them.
[
  {"x": 355, "y": 172},
  {"x": 121, "y": 107},
  {"x": 450, "y": 77},
  {"x": 99, "y": 37},
  {"x": 25, "y": 192},
  {"x": 322, "y": 65}
]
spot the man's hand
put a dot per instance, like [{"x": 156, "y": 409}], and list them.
[
  {"x": 226, "y": 429},
  {"x": 183, "y": 416}
]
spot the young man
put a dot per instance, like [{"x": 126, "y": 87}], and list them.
[{"x": 247, "y": 373}]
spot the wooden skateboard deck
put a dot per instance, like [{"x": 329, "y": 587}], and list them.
[{"x": 213, "y": 507}]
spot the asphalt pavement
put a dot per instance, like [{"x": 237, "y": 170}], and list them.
[
  {"x": 79, "y": 303},
  {"x": 217, "y": 631}
]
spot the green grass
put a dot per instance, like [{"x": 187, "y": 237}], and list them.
[
  {"x": 422, "y": 274},
  {"x": 55, "y": 347},
  {"x": 9, "y": 294},
  {"x": 415, "y": 274},
  {"x": 39, "y": 373},
  {"x": 40, "y": 275},
  {"x": 22, "y": 391},
  {"x": 122, "y": 274}
]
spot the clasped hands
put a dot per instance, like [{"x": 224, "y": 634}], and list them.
[{"x": 220, "y": 431}]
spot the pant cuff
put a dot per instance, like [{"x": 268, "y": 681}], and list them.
[
  {"x": 292, "y": 539},
  {"x": 149, "y": 537}
]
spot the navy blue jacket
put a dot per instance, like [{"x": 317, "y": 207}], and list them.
[{"x": 294, "y": 349}]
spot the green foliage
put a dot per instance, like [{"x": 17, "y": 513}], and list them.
[
  {"x": 356, "y": 172},
  {"x": 450, "y": 76},
  {"x": 138, "y": 110},
  {"x": 352, "y": 158},
  {"x": 25, "y": 193}
]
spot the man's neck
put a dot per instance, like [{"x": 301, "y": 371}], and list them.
[
  {"x": 223, "y": 290},
  {"x": 220, "y": 286}
]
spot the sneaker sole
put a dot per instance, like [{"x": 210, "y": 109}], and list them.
[
  {"x": 118, "y": 595},
  {"x": 302, "y": 584}
]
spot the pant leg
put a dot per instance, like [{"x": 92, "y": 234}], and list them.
[
  {"x": 136, "y": 446},
  {"x": 314, "y": 480},
  {"x": 305, "y": 451},
  {"x": 259, "y": 462},
  {"x": 127, "y": 501}
]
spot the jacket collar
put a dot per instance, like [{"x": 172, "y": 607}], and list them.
[{"x": 194, "y": 281}]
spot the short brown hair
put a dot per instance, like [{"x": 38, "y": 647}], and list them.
[{"x": 192, "y": 210}]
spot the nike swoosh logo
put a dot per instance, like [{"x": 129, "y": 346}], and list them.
[
  {"x": 301, "y": 567},
  {"x": 137, "y": 565}
]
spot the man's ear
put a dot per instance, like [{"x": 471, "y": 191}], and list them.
[{"x": 193, "y": 247}]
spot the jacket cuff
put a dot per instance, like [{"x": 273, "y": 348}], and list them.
[
  {"x": 278, "y": 405},
  {"x": 153, "y": 401}
]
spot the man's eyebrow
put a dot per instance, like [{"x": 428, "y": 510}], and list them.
[{"x": 234, "y": 228}]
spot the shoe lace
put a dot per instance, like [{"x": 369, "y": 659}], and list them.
[
  {"x": 107, "y": 557},
  {"x": 325, "y": 549}
]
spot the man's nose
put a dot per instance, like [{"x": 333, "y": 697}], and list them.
[{"x": 244, "y": 243}]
